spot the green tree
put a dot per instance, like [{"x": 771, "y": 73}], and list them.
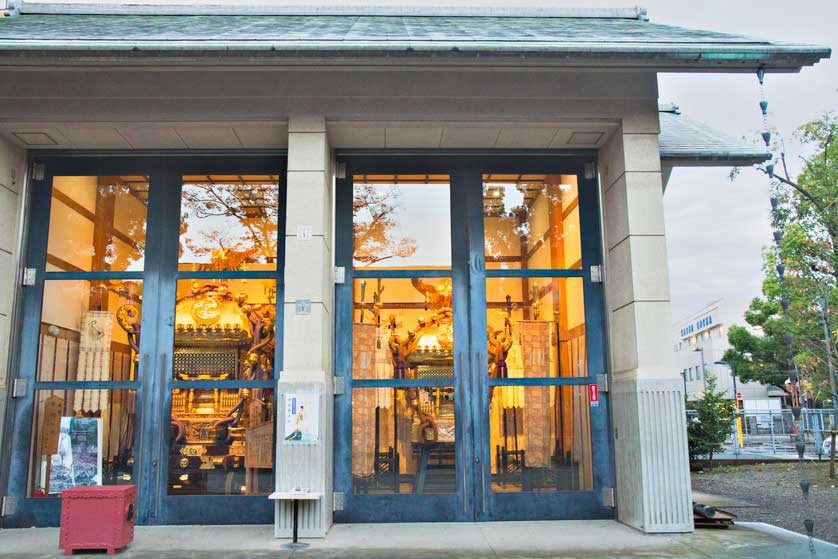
[
  {"x": 806, "y": 228},
  {"x": 707, "y": 431},
  {"x": 759, "y": 356}
]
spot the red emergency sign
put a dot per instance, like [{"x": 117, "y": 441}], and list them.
[{"x": 594, "y": 393}]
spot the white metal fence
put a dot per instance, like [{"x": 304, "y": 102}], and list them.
[{"x": 774, "y": 432}]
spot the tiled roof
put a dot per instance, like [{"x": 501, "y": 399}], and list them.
[
  {"x": 595, "y": 40},
  {"x": 687, "y": 142}
]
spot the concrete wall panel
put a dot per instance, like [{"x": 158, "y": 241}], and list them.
[
  {"x": 649, "y": 431},
  {"x": 11, "y": 186},
  {"x": 308, "y": 338},
  {"x": 634, "y": 203},
  {"x": 308, "y": 203}
]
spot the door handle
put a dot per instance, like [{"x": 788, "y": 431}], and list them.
[
  {"x": 163, "y": 380},
  {"x": 478, "y": 428},
  {"x": 466, "y": 488}
]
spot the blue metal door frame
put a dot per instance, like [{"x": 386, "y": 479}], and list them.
[
  {"x": 474, "y": 499},
  {"x": 153, "y": 381}
]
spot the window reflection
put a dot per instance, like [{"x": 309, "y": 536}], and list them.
[
  {"x": 403, "y": 328},
  {"x": 229, "y": 222},
  {"x": 74, "y": 446},
  {"x": 224, "y": 329},
  {"x": 531, "y": 221},
  {"x": 90, "y": 331},
  {"x": 540, "y": 438},
  {"x": 401, "y": 221},
  {"x": 230, "y": 455},
  {"x": 536, "y": 327},
  {"x": 403, "y": 440},
  {"x": 97, "y": 224}
]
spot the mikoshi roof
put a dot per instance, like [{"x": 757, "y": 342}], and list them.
[
  {"x": 685, "y": 142},
  {"x": 560, "y": 36}
]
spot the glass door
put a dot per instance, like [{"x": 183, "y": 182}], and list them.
[
  {"x": 402, "y": 344},
  {"x": 78, "y": 422},
  {"x": 469, "y": 335},
  {"x": 543, "y": 431},
  {"x": 219, "y": 342},
  {"x": 149, "y": 338}
]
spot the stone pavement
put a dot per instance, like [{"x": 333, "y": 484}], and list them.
[{"x": 513, "y": 540}]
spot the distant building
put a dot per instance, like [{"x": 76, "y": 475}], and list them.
[{"x": 704, "y": 334}]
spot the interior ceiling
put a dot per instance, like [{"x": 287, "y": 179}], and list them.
[{"x": 342, "y": 134}]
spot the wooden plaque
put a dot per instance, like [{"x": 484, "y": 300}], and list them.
[
  {"x": 52, "y": 425},
  {"x": 260, "y": 446}
]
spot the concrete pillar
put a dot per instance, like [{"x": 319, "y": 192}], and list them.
[
  {"x": 307, "y": 337},
  {"x": 11, "y": 183},
  {"x": 652, "y": 466}
]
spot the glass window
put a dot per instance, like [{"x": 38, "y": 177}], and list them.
[
  {"x": 90, "y": 330},
  {"x": 540, "y": 438},
  {"x": 536, "y": 327},
  {"x": 221, "y": 441},
  {"x": 229, "y": 222},
  {"x": 531, "y": 221},
  {"x": 74, "y": 446},
  {"x": 403, "y": 328},
  {"x": 97, "y": 224},
  {"x": 403, "y": 440},
  {"x": 224, "y": 329},
  {"x": 401, "y": 222}
]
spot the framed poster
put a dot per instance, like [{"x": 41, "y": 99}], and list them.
[
  {"x": 302, "y": 417},
  {"x": 78, "y": 461}
]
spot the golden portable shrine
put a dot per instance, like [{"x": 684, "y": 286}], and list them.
[
  {"x": 403, "y": 438},
  {"x": 221, "y": 439}
]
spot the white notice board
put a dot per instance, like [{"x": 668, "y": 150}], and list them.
[{"x": 302, "y": 417}]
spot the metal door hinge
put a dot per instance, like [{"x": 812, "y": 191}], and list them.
[
  {"x": 38, "y": 171},
  {"x": 337, "y": 501},
  {"x": 339, "y": 385},
  {"x": 340, "y": 169},
  {"x": 29, "y": 276},
  {"x": 590, "y": 170},
  {"x": 608, "y": 497},
  {"x": 596, "y": 273},
  {"x": 8, "y": 506},
  {"x": 602, "y": 382},
  {"x": 19, "y": 388},
  {"x": 340, "y": 274}
]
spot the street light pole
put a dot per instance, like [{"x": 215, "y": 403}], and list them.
[
  {"x": 684, "y": 376},
  {"x": 703, "y": 366}
]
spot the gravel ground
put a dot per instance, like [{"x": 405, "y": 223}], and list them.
[{"x": 775, "y": 490}]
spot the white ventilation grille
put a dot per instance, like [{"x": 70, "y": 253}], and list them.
[{"x": 652, "y": 463}]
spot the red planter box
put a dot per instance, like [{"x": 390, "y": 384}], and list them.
[{"x": 97, "y": 517}]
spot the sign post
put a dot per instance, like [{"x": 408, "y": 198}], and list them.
[{"x": 739, "y": 438}]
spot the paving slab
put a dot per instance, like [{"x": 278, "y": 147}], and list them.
[{"x": 493, "y": 540}]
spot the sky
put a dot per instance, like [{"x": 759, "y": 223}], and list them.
[{"x": 716, "y": 228}]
